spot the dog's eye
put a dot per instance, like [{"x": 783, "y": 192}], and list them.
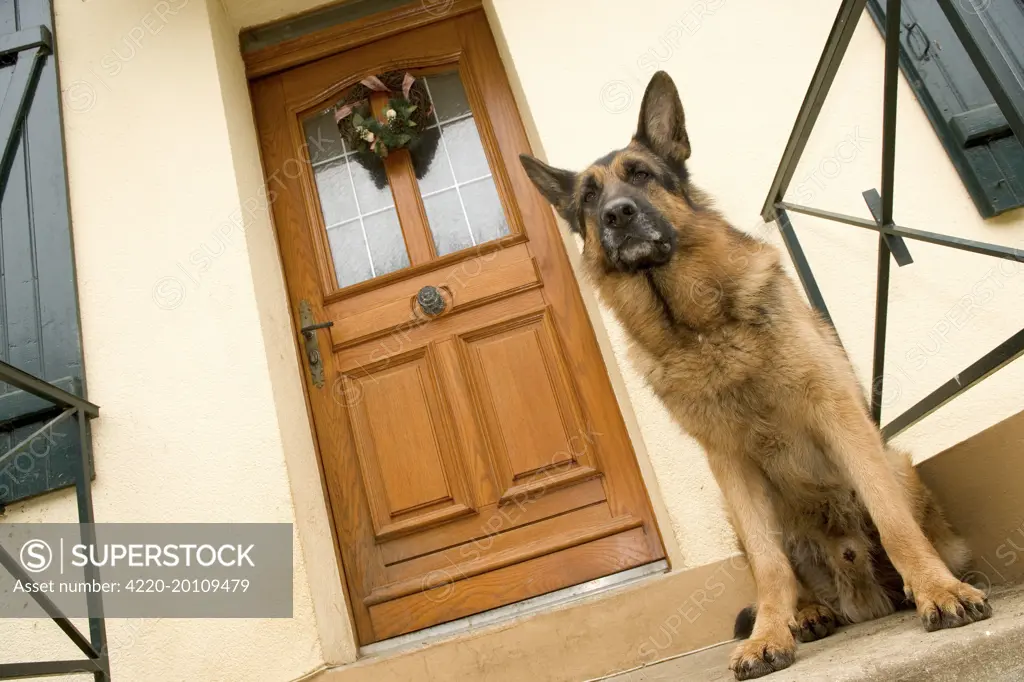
[
  {"x": 589, "y": 196},
  {"x": 640, "y": 176}
]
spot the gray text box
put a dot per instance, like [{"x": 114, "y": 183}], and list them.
[{"x": 151, "y": 570}]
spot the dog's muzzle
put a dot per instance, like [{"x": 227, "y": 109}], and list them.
[{"x": 639, "y": 243}]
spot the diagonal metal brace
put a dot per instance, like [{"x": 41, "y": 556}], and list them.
[
  {"x": 9, "y": 374},
  {"x": 35, "y": 434},
  {"x": 52, "y": 610},
  {"x": 803, "y": 267},
  {"x": 10, "y": 671},
  {"x": 991, "y": 362},
  {"x": 897, "y": 247},
  {"x": 15, "y": 106}
]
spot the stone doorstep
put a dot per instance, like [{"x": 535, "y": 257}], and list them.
[
  {"x": 892, "y": 648},
  {"x": 655, "y": 618}
]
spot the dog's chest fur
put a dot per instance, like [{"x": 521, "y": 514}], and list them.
[
  {"x": 730, "y": 353},
  {"x": 719, "y": 389}
]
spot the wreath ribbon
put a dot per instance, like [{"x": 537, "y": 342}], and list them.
[{"x": 375, "y": 84}]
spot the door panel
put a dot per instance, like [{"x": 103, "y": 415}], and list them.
[
  {"x": 526, "y": 399},
  {"x": 473, "y": 457},
  {"x": 409, "y": 459}
]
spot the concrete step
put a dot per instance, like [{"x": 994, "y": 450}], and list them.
[{"x": 892, "y": 648}]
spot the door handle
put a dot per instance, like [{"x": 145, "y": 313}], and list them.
[
  {"x": 431, "y": 302},
  {"x": 309, "y": 328},
  {"x": 309, "y": 335}
]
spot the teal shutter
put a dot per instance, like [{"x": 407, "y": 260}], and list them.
[
  {"x": 989, "y": 159},
  {"x": 39, "y": 325}
]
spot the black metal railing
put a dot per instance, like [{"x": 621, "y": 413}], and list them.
[
  {"x": 1008, "y": 94},
  {"x": 97, "y": 660}
]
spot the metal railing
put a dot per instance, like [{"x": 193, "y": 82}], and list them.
[
  {"x": 1008, "y": 94},
  {"x": 97, "y": 659}
]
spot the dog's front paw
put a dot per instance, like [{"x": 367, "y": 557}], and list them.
[
  {"x": 815, "y": 621},
  {"x": 949, "y": 605},
  {"x": 758, "y": 657}
]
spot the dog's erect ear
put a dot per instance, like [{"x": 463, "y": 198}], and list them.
[
  {"x": 555, "y": 184},
  {"x": 662, "y": 126}
]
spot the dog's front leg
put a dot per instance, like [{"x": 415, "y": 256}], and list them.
[
  {"x": 853, "y": 442},
  {"x": 771, "y": 645}
]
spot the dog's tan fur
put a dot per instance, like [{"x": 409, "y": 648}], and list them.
[{"x": 722, "y": 335}]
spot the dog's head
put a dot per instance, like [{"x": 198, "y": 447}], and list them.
[{"x": 632, "y": 205}]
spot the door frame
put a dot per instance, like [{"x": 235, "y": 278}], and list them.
[{"x": 339, "y": 38}]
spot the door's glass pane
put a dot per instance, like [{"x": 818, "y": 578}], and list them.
[
  {"x": 454, "y": 178},
  {"x": 356, "y": 203},
  {"x": 483, "y": 208},
  {"x": 438, "y": 173},
  {"x": 448, "y": 96},
  {"x": 351, "y": 259},
  {"x": 322, "y": 138},
  {"x": 387, "y": 248},
  {"x": 367, "y": 193},
  {"x": 465, "y": 150},
  {"x": 335, "y": 190},
  {"x": 448, "y": 222}
]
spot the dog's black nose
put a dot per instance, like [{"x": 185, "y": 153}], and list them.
[{"x": 618, "y": 212}]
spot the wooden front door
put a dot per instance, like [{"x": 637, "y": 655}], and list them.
[{"x": 473, "y": 457}]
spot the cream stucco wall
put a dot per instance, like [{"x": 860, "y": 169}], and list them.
[{"x": 189, "y": 348}]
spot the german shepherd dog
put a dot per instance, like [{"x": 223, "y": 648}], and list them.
[{"x": 834, "y": 523}]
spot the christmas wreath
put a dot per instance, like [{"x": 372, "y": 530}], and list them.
[{"x": 402, "y": 126}]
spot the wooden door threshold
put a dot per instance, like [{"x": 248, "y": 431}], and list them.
[{"x": 540, "y": 603}]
